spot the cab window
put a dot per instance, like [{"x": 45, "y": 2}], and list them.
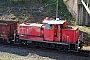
[{"x": 48, "y": 26}]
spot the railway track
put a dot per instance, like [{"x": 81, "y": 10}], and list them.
[{"x": 84, "y": 53}]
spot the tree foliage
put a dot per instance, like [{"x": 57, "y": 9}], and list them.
[{"x": 40, "y": 1}]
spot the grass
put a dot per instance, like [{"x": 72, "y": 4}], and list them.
[
  {"x": 85, "y": 29},
  {"x": 5, "y": 58},
  {"x": 84, "y": 32},
  {"x": 82, "y": 29}
]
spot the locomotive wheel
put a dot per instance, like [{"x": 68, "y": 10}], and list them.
[
  {"x": 6, "y": 41},
  {"x": 23, "y": 42},
  {"x": 43, "y": 45},
  {"x": 40, "y": 44},
  {"x": 52, "y": 46},
  {"x": 60, "y": 48}
]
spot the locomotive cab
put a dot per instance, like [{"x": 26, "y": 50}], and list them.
[
  {"x": 53, "y": 28},
  {"x": 58, "y": 31}
]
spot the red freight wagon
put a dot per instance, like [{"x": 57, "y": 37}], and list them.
[{"x": 7, "y": 30}]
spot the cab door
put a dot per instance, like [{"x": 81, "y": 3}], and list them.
[{"x": 49, "y": 32}]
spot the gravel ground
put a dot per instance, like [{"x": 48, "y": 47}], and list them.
[
  {"x": 8, "y": 53},
  {"x": 86, "y": 48}
]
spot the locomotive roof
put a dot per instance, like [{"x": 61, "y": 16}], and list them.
[
  {"x": 54, "y": 21},
  {"x": 31, "y": 24}
]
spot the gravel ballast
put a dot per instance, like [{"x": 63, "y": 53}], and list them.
[{"x": 12, "y": 53}]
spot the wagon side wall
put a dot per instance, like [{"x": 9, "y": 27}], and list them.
[{"x": 7, "y": 30}]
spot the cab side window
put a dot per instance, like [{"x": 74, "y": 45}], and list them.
[{"x": 48, "y": 26}]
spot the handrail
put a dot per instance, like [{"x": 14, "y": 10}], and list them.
[
  {"x": 67, "y": 38},
  {"x": 86, "y": 7},
  {"x": 81, "y": 38}
]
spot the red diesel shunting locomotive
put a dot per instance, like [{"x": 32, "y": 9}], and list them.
[{"x": 54, "y": 34}]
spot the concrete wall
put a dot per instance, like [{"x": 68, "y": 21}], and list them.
[
  {"x": 78, "y": 11},
  {"x": 72, "y": 6}
]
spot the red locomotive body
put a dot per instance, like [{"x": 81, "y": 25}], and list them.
[
  {"x": 70, "y": 35},
  {"x": 54, "y": 32}
]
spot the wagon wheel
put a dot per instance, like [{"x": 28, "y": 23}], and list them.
[{"x": 8, "y": 41}]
